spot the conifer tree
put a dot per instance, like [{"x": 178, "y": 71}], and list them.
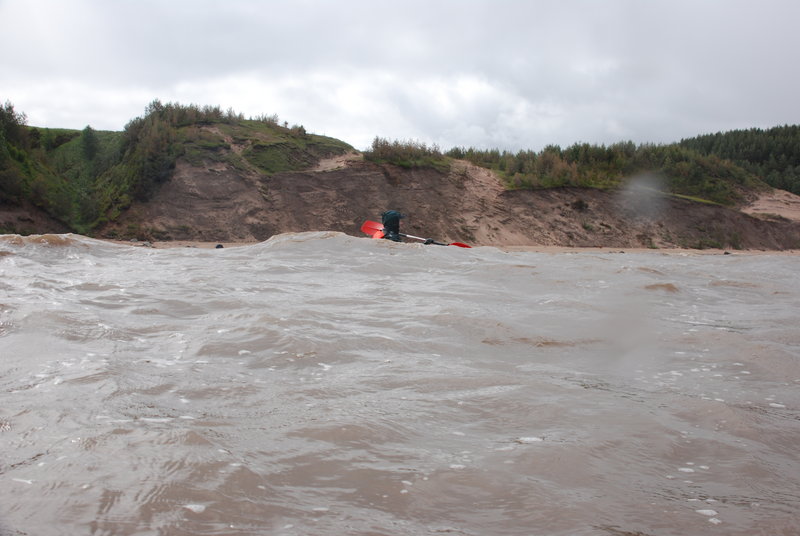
[{"x": 89, "y": 143}]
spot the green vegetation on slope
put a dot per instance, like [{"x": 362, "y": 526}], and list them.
[
  {"x": 773, "y": 154},
  {"x": 85, "y": 178},
  {"x": 681, "y": 170},
  {"x": 407, "y": 154},
  {"x": 50, "y": 168},
  {"x": 274, "y": 149}
]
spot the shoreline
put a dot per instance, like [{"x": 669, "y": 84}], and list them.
[
  {"x": 549, "y": 249},
  {"x": 170, "y": 244}
]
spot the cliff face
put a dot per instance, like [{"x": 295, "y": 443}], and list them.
[{"x": 219, "y": 202}]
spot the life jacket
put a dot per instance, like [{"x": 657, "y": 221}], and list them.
[{"x": 391, "y": 224}]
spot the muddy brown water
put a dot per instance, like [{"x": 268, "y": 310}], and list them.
[{"x": 324, "y": 384}]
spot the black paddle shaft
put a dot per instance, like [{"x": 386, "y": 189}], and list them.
[{"x": 426, "y": 240}]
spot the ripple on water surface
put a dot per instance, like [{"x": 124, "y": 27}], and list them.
[{"x": 320, "y": 383}]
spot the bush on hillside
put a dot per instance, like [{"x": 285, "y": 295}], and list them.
[{"x": 406, "y": 154}]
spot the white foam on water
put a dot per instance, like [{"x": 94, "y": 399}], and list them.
[{"x": 527, "y": 440}]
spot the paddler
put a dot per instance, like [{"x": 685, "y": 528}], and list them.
[{"x": 391, "y": 224}]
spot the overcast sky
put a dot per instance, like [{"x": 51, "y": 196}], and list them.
[{"x": 501, "y": 74}]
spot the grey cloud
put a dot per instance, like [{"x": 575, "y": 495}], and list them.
[{"x": 553, "y": 71}]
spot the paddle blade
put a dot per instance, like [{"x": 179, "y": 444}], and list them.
[
  {"x": 370, "y": 227},
  {"x": 459, "y": 244}
]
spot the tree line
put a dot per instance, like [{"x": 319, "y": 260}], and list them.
[
  {"x": 772, "y": 154},
  {"x": 682, "y": 170}
]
